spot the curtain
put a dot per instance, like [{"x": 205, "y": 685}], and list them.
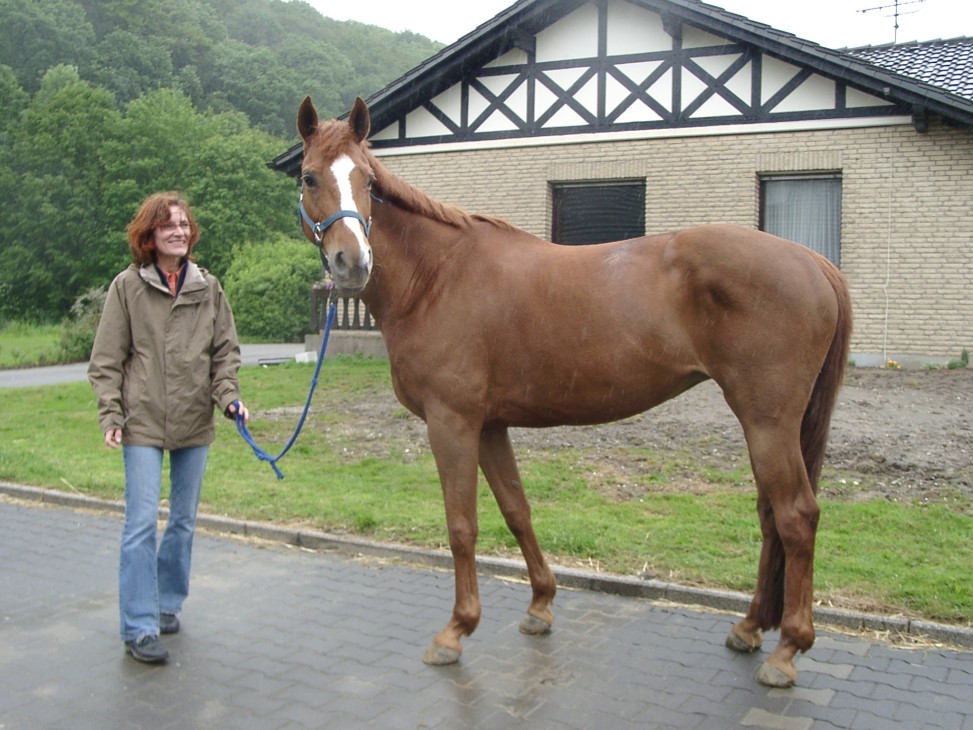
[{"x": 805, "y": 210}]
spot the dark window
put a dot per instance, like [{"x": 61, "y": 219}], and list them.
[
  {"x": 595, "y": 212},
  {"x": 805, "y": 209}
]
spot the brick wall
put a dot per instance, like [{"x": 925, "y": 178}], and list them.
[{"x": 907, "y": 210}]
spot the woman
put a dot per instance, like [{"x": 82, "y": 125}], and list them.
[{"x": 165, "y": 353}]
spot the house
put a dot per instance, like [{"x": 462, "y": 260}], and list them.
[{"x": 591, "y": 120}]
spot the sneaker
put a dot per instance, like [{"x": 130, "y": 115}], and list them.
[
  {"x": 148, "y": 649},
  {"x": 168, "y": 623}
]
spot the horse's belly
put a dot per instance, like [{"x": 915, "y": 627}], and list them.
[{"x": 580, "y": 402}]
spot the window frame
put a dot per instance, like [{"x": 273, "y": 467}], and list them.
[
  {"x": 636, "y": 227},
  {"x": 830, "y": 249}
]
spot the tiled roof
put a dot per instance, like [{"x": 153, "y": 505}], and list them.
[{"x": 946, "y": 64}]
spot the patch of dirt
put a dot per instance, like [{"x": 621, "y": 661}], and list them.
[{"x": 904, "y": 435}]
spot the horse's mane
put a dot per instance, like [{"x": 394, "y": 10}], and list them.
[
  {"x": 396, "y": 190},
  {"x": 333, "y": 136}
]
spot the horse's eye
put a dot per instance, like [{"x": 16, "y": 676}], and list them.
[
  {"x": 309, "y": 180},
  {"x": 371, "y": 181}
]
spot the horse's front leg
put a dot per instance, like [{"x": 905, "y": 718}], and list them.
[
  {"x": 500, "y": 468},
  {"x": 454, "y": 446}
]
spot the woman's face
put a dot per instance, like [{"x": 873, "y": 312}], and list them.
[{"x": 172, "y": 239}]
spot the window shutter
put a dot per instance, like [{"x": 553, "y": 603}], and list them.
[{"x": 597, "y": 212}]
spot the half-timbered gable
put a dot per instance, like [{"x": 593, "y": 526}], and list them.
[{"x": 620, "y": 68}]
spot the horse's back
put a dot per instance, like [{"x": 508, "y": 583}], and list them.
[{"x": 693, "y": 291}]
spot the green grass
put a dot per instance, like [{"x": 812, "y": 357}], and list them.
[
  {"x": 27, "y": 345},
  {"x": 878, "y": 555}
]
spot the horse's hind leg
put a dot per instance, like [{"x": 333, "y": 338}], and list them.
[
  {"x": 747, "y": 635},
  {"x": 500, "y": 468},
  {"x": 788, "y": 514}
]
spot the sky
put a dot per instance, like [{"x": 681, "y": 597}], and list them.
[{"x": 831, "y": 23}]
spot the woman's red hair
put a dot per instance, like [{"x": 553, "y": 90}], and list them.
[{"x": 154, "y": 213}]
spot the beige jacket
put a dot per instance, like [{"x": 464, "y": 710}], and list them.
[{"x": 159, "y": 364}]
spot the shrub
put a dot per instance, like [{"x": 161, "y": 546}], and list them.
[
  {"x": 79, "y": 328},
  {"x": 964, "y": 361},
  {"x": 268, "y": 286}
]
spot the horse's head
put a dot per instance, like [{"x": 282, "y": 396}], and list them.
[{"x": 336, "y": 182}]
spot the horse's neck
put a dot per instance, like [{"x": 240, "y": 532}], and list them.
[
  {"x": 411, "y": 199},
  {"x": 406, "y": 251},
  {"x": 411, "y": 237}
]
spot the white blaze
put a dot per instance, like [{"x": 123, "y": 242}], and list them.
[{"x": 341, "y": 168}]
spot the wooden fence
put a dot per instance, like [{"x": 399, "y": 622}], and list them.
[{"x": 351, "y": 314}]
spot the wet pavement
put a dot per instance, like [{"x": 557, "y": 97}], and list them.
[{"x": 277, "y": 636}]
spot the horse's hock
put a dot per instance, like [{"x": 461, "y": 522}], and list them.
[{"x": 353, "y": 331}]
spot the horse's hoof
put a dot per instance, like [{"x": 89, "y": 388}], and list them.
[
  {"x": 439, "y": 656},
  {"x": 738, "y": 643},
  {"x": 534, "y": 626},
  {"x": 774, "y": 675}
]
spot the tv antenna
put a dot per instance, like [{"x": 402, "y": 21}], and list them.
[{"x": 894, "y": 7}]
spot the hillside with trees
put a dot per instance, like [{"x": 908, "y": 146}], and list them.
[{"x": 105, "y": 101}]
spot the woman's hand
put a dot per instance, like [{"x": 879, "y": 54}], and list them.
[
  {"x": 113, "y": 438},
  {"x": 237, "y": 407}
]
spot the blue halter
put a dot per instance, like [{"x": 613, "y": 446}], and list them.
[{"x": 320, "y": 227}]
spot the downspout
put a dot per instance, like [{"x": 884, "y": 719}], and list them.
[{"x": 888, "y": 265}]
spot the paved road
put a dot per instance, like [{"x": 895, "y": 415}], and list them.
[
  {"x": 281, "y": 637},
  {"x": 251, "y": 355}
]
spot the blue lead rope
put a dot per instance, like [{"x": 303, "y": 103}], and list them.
[{"x": 241, "y": 424}]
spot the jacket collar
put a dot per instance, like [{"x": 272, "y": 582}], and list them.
[{"x": 193, "y": 281}]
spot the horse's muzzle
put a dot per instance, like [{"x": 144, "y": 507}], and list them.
[{"x": 350, "y": 274}]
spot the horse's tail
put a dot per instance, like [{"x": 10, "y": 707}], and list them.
[
  {"x": 814, "y": 430},
  {"x": 817, "y": 415}
]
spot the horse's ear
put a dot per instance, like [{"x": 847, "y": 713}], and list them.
[
  {"x": 359, "y": 120},
  {"x": 307, "y": 119}
]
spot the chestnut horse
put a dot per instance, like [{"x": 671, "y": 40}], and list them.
[{"x": 488, "y": 327}]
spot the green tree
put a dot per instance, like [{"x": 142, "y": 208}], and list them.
[
  {"x": 256, "y": 56},
  {"x": 189, "y": 28},
  {"x": 372, "y": 52},
  {"x": 269, "y": 288},
  {"x": 255, "y": 22},
  {"x": 252, "y": 80},
  {"x": 158, "y": 138},
  {"x": 130, "y": 65},
  {"x": 39, "y": 34},
  {"x": 321, "y": 72},
  {"x": 52, "y": 241},
  {"x": 13, "y": 101}
]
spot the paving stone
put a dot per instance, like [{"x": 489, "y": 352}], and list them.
[
  {"x": 763, "y": 719},
  {"x": 279, "y": 637}
]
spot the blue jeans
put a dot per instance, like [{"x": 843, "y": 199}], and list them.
[{"x": 150, "y": 579}]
